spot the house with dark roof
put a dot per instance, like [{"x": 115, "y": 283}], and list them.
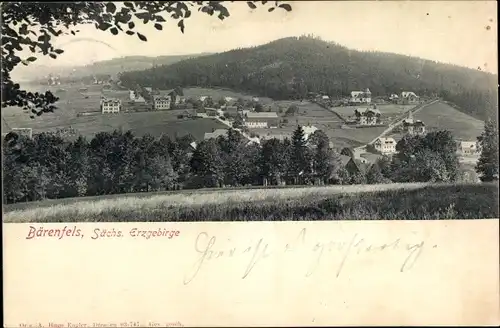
[
  {"x": 353, "y": 166},
  {"x": 413, "y": 127},
  {"x": 367, "y": 116},
  {"x": 361, "y": 97}
]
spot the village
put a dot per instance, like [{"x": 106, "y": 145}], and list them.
[
  {"x": 251, "y": 118},
  {"x": 258, "y": 121}
]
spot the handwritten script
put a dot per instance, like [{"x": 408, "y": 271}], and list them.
[{"x": 209, "y": 249}]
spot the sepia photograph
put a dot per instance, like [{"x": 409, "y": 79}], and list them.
[
  {"x": 249, "y": 163},
  {"x": 243, "y": 111}
]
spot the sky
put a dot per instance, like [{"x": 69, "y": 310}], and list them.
[{"x": 458, "y": 32}]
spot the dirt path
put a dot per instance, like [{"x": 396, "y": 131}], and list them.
[
  {"x": 399, "y": 122},
  {"x": 362, "y": 149}
]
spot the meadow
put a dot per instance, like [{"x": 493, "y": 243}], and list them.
[
  {"x": 441, "y": 116},
  {"x": 388, "y": 112},
  {"x": 73, "y": 102},
  {"x": 313, "y": 114},
  {"x": 353, "y": 202}
]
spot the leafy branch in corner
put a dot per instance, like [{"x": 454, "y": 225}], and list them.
[{"x": 33, "y": 26}]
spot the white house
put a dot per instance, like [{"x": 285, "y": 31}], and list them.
[
  {"x": 261, "y": 120},
  {"x": 361, "y": 96},
  {"x": 161, "y": 102},
  {"x": 409, "y": 96},
  {"x": 202, "y": 98},
  {"x": 254, "y": 140},
  {"x": 110, "y": 106},
  {"x": 385, "y": 145},
  {"x": 468, "y": 148},
  {"x": 325, "y": 98},
  {"x": 134, "y": 96},
  {"x": 179, "y": 100},
  {"x": 394, "y": 97},
  {"x": 308, "y": 131}
]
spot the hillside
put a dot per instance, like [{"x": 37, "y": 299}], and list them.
[
  {"x": 444, "y": 116},
  {"x": 290, "y": 68},
  {"x": 106, "y": 67},
  {"x": 440, "y": 115}
]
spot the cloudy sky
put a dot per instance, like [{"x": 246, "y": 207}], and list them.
[{"x": 458, "y": 32}]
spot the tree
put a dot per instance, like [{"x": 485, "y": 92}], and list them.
[
  {"x": 273, "y": 161},
  {"x": 78, "y": 168},
  {"x": 487, "y": 166},
  {"x": 346, "y": 151},
  {"x": 52, "y": 155},
  {"x": 207, "y": 163},
  {"x": 238, "y": 122},
  {"x": 36, "y": 25},
  {"x": 326, "y": 162},
  {"x": 375, "y": 175},
  {"x": 292, "y": 110},
  {"x": 443, "y": 143},
  {"x": 233, "y": 157},
  {"x": 430, "y": 166},
  {"x": 221, "y": 102},
  {"x": 259, "y": 108},
  {"x": 300, "y": 156},
  {"x": 208, "y": 102},
  {"x": 319, "y": 139},
  {"x": 179, "y": 91}
]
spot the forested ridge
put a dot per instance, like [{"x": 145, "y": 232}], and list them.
[{"x": 292, "y": 67}]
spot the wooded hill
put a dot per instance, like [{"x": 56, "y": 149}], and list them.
[{"x": 289, "y": 68}]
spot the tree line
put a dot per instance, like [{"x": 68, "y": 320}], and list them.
[
  {"x": 49, "y": 166},
  {"x": 290, "y": 68}
]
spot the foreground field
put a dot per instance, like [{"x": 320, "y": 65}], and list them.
[{"x": 367, "y": 202}]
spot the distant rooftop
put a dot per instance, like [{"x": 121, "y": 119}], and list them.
[
  {"x": 217, "y": 133},
  {"x": 262, "y": 115}
]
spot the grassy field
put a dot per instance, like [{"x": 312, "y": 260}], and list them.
[
  {"x": 366, "y": 202},
  {"x": 441, "y": 116},
  {"x": 388, "y": 112},
  {"x": 339, "y": 137},
  {"x": 323, "y": 119},
  {"x": 73, "y": 102}
]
